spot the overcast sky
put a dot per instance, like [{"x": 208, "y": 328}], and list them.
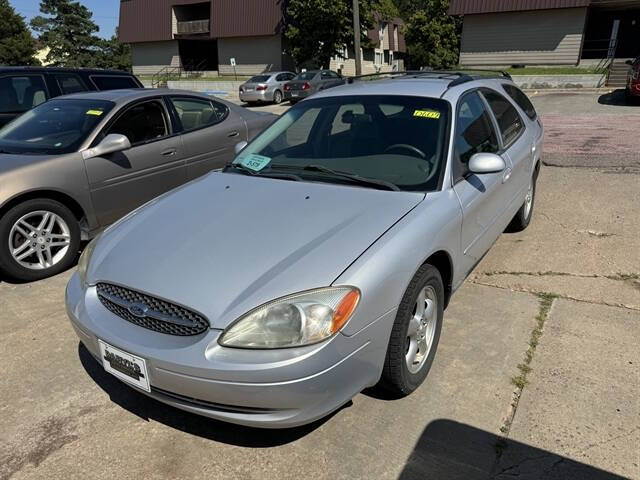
[{"x": 105, "y": 12}]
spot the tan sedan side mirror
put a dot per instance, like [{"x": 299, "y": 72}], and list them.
[{"x": 112, "y": 143}]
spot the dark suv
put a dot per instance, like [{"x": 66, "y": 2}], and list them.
[{"x": 22, "y": 88}]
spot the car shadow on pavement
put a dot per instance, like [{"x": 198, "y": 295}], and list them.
[
  {"x": 148, "y": 408},
  {"x": 452, "y": 450},
  {"x": 616, "y": 98}
]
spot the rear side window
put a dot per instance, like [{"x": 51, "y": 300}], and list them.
[
  {"x": 197, "y": 113},
  {"x": 509, "y": 121},
  {"x": 69, "y": 83},
  {"x": 522, "y": 100},
  {"x": 113, "y": 82},
  {"x": 142, "y": 123},
  {"x": 21, "y": 93},
  {"x": 259, "y": 79},
  {"x": 474, "y": 133}
]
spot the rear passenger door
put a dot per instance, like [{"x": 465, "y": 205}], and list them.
[
  {"x": 482, "y": 197},
  {"x": 210, "y": 132},
  {"x": 20, "y": 93},
  {"x": 516, "y": 145},
  {"x": 121, "y": 181}
]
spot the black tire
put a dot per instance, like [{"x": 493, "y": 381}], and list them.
[
  {"x": 14, "y": 270},
  {"x": 396, "y": 377},
  {"x": 523, "y": 217},
  {"x": 277, "y": 97}
]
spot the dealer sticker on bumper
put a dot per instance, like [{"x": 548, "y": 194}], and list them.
[{"x": 126, "y": 367}]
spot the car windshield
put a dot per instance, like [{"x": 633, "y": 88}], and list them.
[
  {"x": 306, "y": 76},
  {"x": 397, "y": 142},
  {"x": 259, "y": 79},
  {"x": 55, "y": 127}
]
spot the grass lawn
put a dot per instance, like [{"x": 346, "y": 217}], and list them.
[{"x": 225, "y": 78}]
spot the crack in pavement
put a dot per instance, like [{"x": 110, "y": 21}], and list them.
[
  {"x": 559, "y": 295},
  {"x": 622, "y": 277}
]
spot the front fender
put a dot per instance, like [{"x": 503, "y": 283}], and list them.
[{"x": 385, "y": 269}]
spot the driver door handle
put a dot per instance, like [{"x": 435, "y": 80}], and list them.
[
  {"x": 235, "y": 133},
  {"x": 507, "y": 175},
  {"x": 169, "y": 153}
]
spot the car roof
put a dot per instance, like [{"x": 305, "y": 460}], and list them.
[
  {"x": 95, "y": 71},
  {"x": 126, "y": 95},
  {"x": 423, "y": 85}
]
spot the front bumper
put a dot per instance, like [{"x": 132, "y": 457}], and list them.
[{"x": 263, "y": 388}]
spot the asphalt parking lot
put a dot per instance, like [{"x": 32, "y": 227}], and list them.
[{"x": 537, "y": 374}]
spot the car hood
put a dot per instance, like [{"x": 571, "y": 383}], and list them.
[
  {"x": 227, "y": 243},
  {"x": 10, "y": 161}
]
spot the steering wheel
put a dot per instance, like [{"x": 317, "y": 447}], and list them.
[{"x": 406, "y": 146}]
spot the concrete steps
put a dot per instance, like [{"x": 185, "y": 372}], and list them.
[{"x": 618, "y": 74}]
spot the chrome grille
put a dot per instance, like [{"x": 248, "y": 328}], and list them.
[{"x": 150, "y": 312}]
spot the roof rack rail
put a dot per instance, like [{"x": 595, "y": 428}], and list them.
[{"x": 461, "y": 76}]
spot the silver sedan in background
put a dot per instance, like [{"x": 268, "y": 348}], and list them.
[
  {"x": 75, "y": 164},
  {"x": 267, "y": 87},
  {"x": 321, "y": 260}
]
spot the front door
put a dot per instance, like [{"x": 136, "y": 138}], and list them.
[
  {"x": 210, "y": 132},
  {"x": 517, "y": 145},
  {"x": 154, "y": 164},
  {"x": 482, "y": 197}
]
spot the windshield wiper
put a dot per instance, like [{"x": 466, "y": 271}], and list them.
[
  {"x": 248, "y": 171},
  {"x": 371, "y": 182}
]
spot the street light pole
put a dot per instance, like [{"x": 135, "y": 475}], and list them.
[{"x": 356, "y": 36}]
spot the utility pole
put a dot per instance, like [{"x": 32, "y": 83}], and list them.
[{"x": 356, "y": 36}]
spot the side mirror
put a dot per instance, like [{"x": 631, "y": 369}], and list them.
[
  {"x": 629, "y": 62},
  {"x": 112, "y": 143},
  {"x": 240, "y": 146},
  {"x": 486, "y": 163}
]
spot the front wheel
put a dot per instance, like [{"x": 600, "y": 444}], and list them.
[
  {"x": 415, "y": 334},
  {"x": 38, "y": 238}
]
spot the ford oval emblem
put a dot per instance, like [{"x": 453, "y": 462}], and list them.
[{"x": 138, "y": 310}]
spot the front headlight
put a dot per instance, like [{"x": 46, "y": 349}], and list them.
[
  {"x": 85, "y": 258},
  {"x": 295, "y": 320}
]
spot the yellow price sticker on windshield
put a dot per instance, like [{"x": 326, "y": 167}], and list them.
[
  {"x": 97, "y": 113},
  {"x": 426, "y": 114}
]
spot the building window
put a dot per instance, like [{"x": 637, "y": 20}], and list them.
[{"x": 379, "y": 58}]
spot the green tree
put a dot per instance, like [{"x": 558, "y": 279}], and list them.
[
  {"x": 387, "y": 9},
  {"x": 316, "y": 30},
  {"x": 17, "y": 45},
  {"x": 114, "y": 54},
  {"x": 67, "y": 29},
  {"x": 432, "y": 36}
]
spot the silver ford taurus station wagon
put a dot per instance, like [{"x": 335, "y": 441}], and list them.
[{"x": 320, "y": 261}]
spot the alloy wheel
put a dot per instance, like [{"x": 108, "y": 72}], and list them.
[
  {"x": 39, "y": 240},
  {"x": 528, "y": 200},
  {"x": 422, "y": 329}
]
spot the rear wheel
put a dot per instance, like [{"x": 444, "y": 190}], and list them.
[
  {"x": 277, "y": 97},
  {"x": 38, "y": 238},
  {"x": 415, "y": 334},
  {"x": 523, "y": 216}
]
